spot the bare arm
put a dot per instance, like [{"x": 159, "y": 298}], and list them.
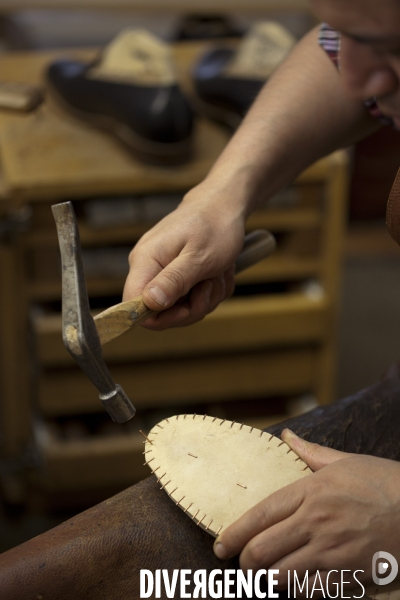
[{"x": 301, "y": 114}]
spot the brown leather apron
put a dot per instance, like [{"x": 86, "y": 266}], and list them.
[{"x": 393, "y": 210}]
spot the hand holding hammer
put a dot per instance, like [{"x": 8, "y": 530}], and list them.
[{"x": 83, "y": 336}]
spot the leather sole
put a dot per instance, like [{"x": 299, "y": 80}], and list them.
[{"x": 156, "y": 153}]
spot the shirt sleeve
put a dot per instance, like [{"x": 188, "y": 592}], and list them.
[{"x": 329, "y": 40}]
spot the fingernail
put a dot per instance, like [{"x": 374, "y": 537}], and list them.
[
  {"x": 220, "y": 551},
  {"x": 158, "y": 295}
]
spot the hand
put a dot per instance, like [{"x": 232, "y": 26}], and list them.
[
  {"x": 191, "y": 250},
  {"x": 336, "y": 518}
]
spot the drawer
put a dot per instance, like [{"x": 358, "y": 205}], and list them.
[
  {"x": 94, "y": 462},
  {"x": 242, "y": 323},
  {"x": 110, "y": 227},
  {"x": 298, "y": 257},
  {"x": 86, "y": 452},
  {"x": 180, "y": 381},
  {"x": 113, "y": 220}
]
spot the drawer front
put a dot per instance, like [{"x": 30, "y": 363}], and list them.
[
  {"x": 185, "y": 380},
  {"x": 240, "y": 323}
]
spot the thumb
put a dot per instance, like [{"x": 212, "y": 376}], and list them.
[
  {"x": 314, "y": 455},
  {"x": 173, "y": 282}
]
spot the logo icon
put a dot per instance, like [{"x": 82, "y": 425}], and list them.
[{"x": 380, "y": 568}]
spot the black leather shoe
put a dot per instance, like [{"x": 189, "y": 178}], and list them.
[
  {"x": 155, "y": 122},
  {"x": 222, "y": 97},
  {"x": 227, "y": 81}
]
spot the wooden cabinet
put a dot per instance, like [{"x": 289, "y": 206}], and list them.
[
  {"x": 273, "y": 341},
  {"x": 208, "y": 6}
]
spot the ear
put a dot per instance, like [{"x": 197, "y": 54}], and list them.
[{"x": 314, "y": 455}]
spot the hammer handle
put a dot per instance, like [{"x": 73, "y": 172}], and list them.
[{"x": 118, "y": 319}]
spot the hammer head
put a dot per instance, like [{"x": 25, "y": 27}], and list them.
[{"x": 79, "y": 330}]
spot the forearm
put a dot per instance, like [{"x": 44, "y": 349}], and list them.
[{"x": 300, "y": 115}]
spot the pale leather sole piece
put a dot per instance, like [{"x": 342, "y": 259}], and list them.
[{"x": 215, "y": 470}]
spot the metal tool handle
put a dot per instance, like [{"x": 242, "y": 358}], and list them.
[{"x": 118, "y": 319}]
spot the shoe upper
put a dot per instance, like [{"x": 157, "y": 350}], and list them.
[
  {"x": 213, "y": 86},
  {"x": 156, "y": 113}
]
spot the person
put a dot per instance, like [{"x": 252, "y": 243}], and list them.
[
  {"x": 349, "y": 508},
  {"x": 98, "y": 554}
]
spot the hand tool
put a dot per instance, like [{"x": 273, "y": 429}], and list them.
[{"x": 83, "y": 336}]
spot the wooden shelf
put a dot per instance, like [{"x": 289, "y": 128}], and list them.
[
  {"x": 278, "y": 268},
  {"x": 55, "y": 157},
  {"x": 251, "y": 347},
  {"x": 185, "y": 380},
  {"x": 180, "y": 6},
  {"x": 285, "y": 219},
  {"x": 92, "y": 463},
  {"x": 290, "y": 219},
  {"x": 240, "y": 323},
  {"x": 281, "y": 268},
  {"x": 102, "y": 461}
]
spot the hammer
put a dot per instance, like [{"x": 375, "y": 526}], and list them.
[{"x": 84, "y": 335}]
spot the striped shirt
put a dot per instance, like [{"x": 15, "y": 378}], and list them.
[{"x": 329, "y": 40}]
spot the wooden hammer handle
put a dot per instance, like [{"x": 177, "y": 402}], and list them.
[{"x": 118, "y": 319}]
